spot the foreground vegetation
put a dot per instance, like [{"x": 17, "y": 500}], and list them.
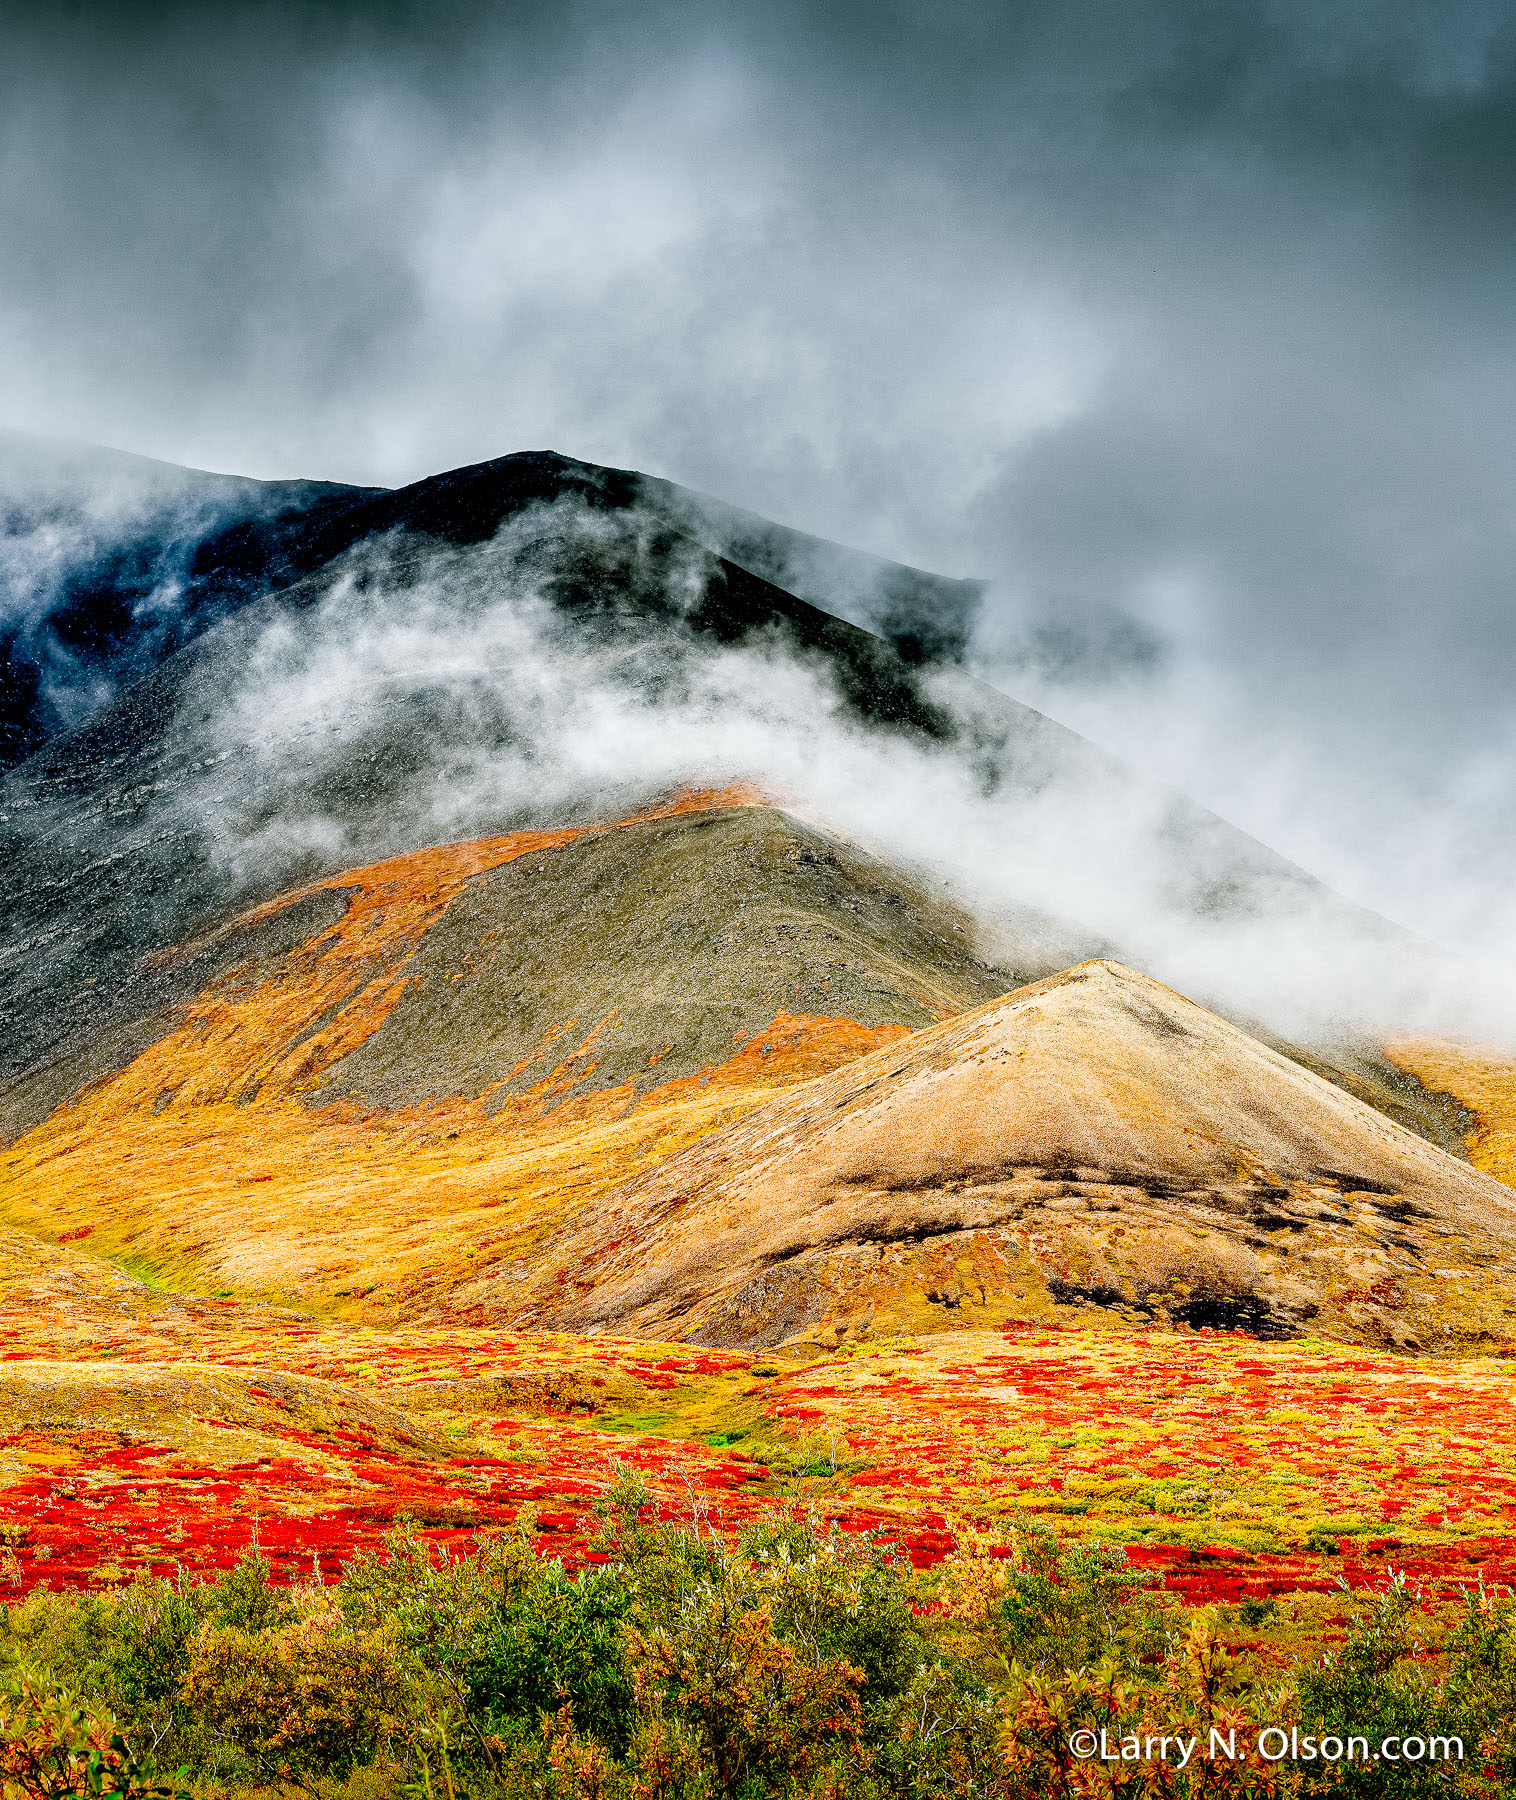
[{"x": 797, "y": 1661}]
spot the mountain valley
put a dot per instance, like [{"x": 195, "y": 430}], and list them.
[{"x": 415, "y": 1111}]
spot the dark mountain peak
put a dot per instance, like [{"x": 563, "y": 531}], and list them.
[{"x": 111, "y": 562}]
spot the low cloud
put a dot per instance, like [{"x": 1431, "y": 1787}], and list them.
[
  {"x": 1185, "y": 329},
  {"x": 432, "y": 695}
]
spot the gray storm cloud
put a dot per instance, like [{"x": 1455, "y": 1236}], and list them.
[{"x": 1186, "y": 328}]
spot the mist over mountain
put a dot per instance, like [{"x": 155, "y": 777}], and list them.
[
  {"x": 109, "y": 562},
  {"x": 538, "y": 642}
]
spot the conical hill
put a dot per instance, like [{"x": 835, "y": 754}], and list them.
[{"x": 1090, "y": 1141}]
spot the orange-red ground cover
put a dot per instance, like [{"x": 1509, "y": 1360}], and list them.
[{"x": 1237, "y": 1469}]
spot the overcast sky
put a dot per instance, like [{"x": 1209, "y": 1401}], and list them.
[{"x": 1188, "y": 325}]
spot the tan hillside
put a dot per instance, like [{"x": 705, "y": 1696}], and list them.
[
  {"x": 220, "y": 1414},
  {"x": 1093, "y": 1140}
]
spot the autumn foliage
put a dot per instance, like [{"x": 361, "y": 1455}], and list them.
[
  {"x": 52, "y": 1748},
  {"x": 795, "y": 1662}
]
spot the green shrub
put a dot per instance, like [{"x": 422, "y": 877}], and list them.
[
  {"x": 513, "y": 1638},
  {"x": 1481, "y": 1679},
  {"x": 301, "y": 1701},
  {"x": 1379, "y": 1685},
  {"x": 124, "y": 1653},
  {"x": 1048, "y": 1610},
  {"x": 768, "y": 1715},
  {"x": 244, "y": 1597},
  {"x": 559, "y": 1646},
  {"x": 940, "y": 1736},
  {"x": 841, "y": 1595},
  {"x": 800, "y": 1663}
]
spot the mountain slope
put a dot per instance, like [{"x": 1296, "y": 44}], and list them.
[
  {"x": 109, "y": 562},
  {"x": 364, "y": 1085},
  {"x": 662, "y": 946},
  {"x": 1091, "y": 1141},
  {"x": 424, "y": 690}
]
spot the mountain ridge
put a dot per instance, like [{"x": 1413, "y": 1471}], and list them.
[
  {"x": 233, "y": 539},
  {"x": 121, "y": 839}
]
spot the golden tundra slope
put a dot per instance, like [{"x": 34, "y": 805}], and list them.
[
  {"x": 1091, "y": 1140},
  {"x": 1481, "y": 1078},
  {"x": 449, "y": 1052}
]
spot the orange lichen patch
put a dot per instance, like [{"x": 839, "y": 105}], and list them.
[
  {"x": 1482, "y": 1079},
  {"x": 695, "y": 800},
  {"x": 794, "y": 1047},
  {"x": 268, "y": 1041}
]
